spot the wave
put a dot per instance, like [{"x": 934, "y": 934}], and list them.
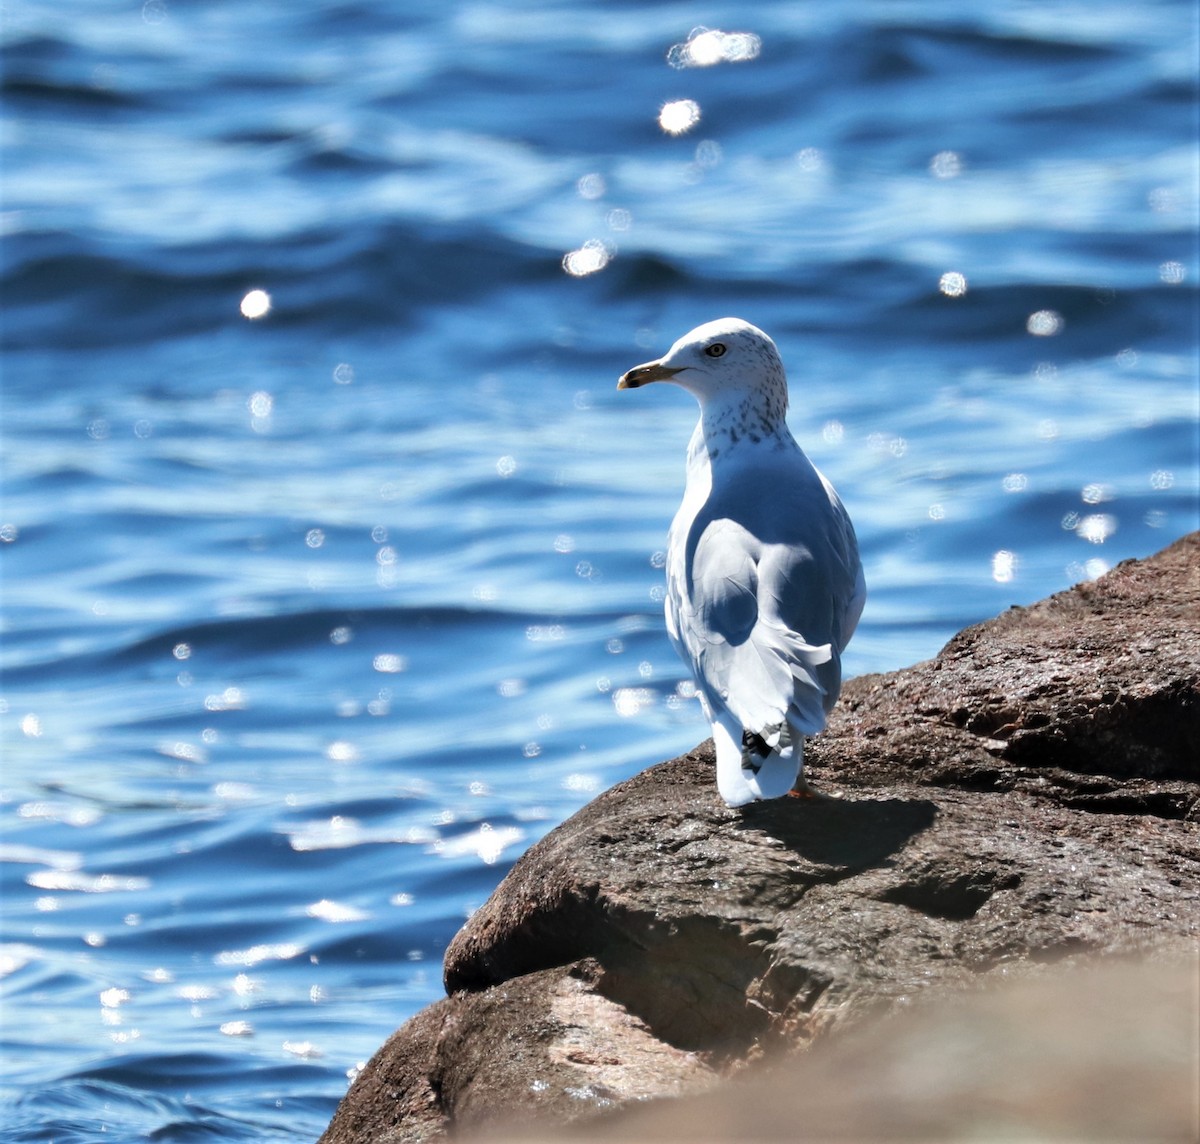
[
  {"x": 266, "y": 635},
  {"x": 124, "y": 1101},
  {"x": 59, "y": 286}
]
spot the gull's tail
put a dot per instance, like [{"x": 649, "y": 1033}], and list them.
[
  {"x": 776, "y": 769},
  {"x": 748, "y": 769}
]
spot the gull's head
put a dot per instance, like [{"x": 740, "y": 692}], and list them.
[{"x": 726, "y": 359}]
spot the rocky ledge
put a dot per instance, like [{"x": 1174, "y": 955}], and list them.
[{"x": 1030, "y": 796}]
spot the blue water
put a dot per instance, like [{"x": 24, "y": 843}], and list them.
[{"x": 312, "y": 622}]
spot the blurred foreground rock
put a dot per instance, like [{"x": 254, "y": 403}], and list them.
[
  {"x": 1029, "y": 797},
  {"x": 1107, "y": 1052}
]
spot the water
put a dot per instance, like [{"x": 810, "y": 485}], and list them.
[{"x": 313, "y": 622}]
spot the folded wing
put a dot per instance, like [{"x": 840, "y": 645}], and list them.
[{"x": 765, "y": 598}]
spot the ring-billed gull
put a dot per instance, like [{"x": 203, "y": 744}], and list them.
[{"x": 764, "y": 582}]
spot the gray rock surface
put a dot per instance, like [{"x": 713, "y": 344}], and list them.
[{"x": 1029, "y": 796}]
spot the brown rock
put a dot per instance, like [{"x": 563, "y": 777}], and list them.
[
  {"x": 1028, "y": 796},
  {"x": 545, "y": 1045},
  {"x": 1110, "y": 1052}
]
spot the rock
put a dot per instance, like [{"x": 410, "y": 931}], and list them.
[
  {"x": 1108, "y": 1052},
  {"x": 1029, "y": 796},
  {"x": 546, "y": 1042}
]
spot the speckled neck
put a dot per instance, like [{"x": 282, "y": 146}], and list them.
[{"x": 735, "y": 418}]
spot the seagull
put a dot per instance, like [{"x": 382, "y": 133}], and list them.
[{"x": 764, "y": 582}]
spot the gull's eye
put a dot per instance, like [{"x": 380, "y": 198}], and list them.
[{"x": 717, "y": 349}]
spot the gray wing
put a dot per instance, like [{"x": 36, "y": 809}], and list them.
[{"x": 769, "y": 591}]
